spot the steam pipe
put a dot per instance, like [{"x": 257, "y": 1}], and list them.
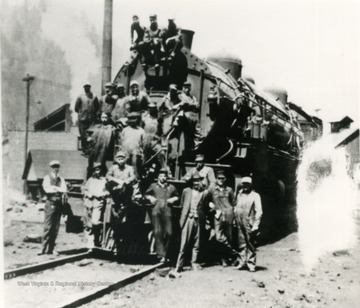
[{"x": 107, "y": 43}]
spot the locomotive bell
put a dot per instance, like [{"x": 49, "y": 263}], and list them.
[{"x": 227, "y": 61}]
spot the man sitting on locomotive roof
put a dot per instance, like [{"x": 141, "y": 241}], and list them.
[
  {"x": 136, "y": 28},
  {"x": 206, "y": 173},
  {"x": 162, "y": 196},
  {"x": 171, "y": 39},
  {"x": 120, "y": 179},
  {"x": 132, "y": 140},
  {"x": 138, "y": 100},
  {"x": 95, "y": 194}
]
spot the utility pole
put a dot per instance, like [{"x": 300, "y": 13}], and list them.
[
  {"x": 28, "y": 79},
  {"x": 107, "y": 43}
]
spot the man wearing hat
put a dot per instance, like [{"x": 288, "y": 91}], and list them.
[
  {"x": 154, "y": 34},
  {"x": 132, "y": 141},
  {"x": 171, "y": 39},
  {"x": 162, "y": 196},
  {"x": 138, "y": 100},
  {"x": 108, "y": 100},
  {"x": 136, "y": 28},
  {"x": 171, "y": 101},
  {"x": 87, "y": 107},
  {"x": 207, "y": 173},
  {"x": 221, "y": 199},
  {"x": 122, "y": 106},
  {"x": 95, "y": 195},
  {"x": 55, "y": 188},
  {"x": 248, "y": 212},
  {"x": 192, "y": 221},
  {"x": 102, "y": 141},
  {"x": 120, "y": 180}
]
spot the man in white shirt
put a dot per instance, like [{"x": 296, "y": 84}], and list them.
[{"x": 54, "y": 187}]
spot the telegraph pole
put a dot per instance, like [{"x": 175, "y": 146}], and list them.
[{"x": 28, "y": 79}]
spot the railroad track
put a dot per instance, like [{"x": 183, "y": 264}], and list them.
[{"x": 70, "y": 281}]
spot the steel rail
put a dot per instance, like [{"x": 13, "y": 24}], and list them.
[
  {"x": 45, "y": 265},
  {"x": 82, "y": 299}
]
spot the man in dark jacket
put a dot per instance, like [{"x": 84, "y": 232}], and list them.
[
  {"x": 162, "y": 196},
  {"x": 87, "y": 107},
  {"x": 192, "y": 222}
]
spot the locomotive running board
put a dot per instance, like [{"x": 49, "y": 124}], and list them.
[
  {"x": 45, "y": 265},
  {"x": 77, "y": 301}
]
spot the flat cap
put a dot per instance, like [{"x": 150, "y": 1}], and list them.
[
  {"x": 96, "y": 165},
  {"x": 173, "y": 86},
  {"x": 164, "y": 171},
  {"x": 54, "y": 163},
  {"x": 196, "y": 177},
  {"x": 120, "y": 85},
  {"x": 152, "y": 105},
  {"x": 153, "y": 16},
  {"x": 187, "y": 84},
  {"x": 220, "y": 173},
  {"x": 246, "y": 180},
  {"x": 133, "y": 82},
  {"x": 133, "y": 115},
  {"x": 120, "y": 154},
  {"x": 109, "y": 85},
  {"x": 199, "y": 157},
  {"x": 86, "y": 84}
]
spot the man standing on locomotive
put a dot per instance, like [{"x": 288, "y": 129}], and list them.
[
  {"x": 162, "y": 196},
  {"x": 248, "y": 212},
  {"x": 120, "y": 179},
  {"x": 138, "y": 100},
  {"x": 95, "y": 194},
  {"x": 122, "y": 107},
  {"x": 108, "y": 101},
  {"x": 55, "y": 188},
  {"x": 207, "y": 173},
  {"x": 222, "y": 201},
  {"x": 132, "y": 141},
  {"x": 87, "y": 107}
]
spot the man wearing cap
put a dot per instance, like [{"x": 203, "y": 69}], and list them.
[
  {"x": 132, "y": 140},
  {"x": 108, "y": 101},
  {"x": 87, "y": 107},
  {"x": 122, "y": 106},
  {"x": 95, "y": 194},
  {"x": 192, "y": 221},
  {"x": 136, "y": 28},
  {"x": 138, "y": 100},
  {"x": 55, "y": 188},
  {"x": 171, "y": 39},
  {"x": 120, "y": 180},
  {"x": 171, "y": 101},
  {"x": 221, "y": 199},
  {"x": 162, "y": 196},
  {"x": 248, "y": 212},
  {"x": 207, "y": 173},
  {"x": 102, "y": 141},
  {"x": 154, "y": 34}
]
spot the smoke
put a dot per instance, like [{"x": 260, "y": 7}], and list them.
[
  {"x": 326, "y": 200},
  {"x": 76, "y": 29}
]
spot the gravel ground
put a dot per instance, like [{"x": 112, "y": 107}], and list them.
[{"x": 280, "y": 281}]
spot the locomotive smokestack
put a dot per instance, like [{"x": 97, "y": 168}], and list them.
[
  {"x": 187, "y": 38},
  {"x": 107, "y": 43}
]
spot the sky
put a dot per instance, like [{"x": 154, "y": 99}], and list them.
[{"x": 310, "y": 48}]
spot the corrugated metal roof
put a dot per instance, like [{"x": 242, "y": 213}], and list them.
[{"x": 73, "y": 164}]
